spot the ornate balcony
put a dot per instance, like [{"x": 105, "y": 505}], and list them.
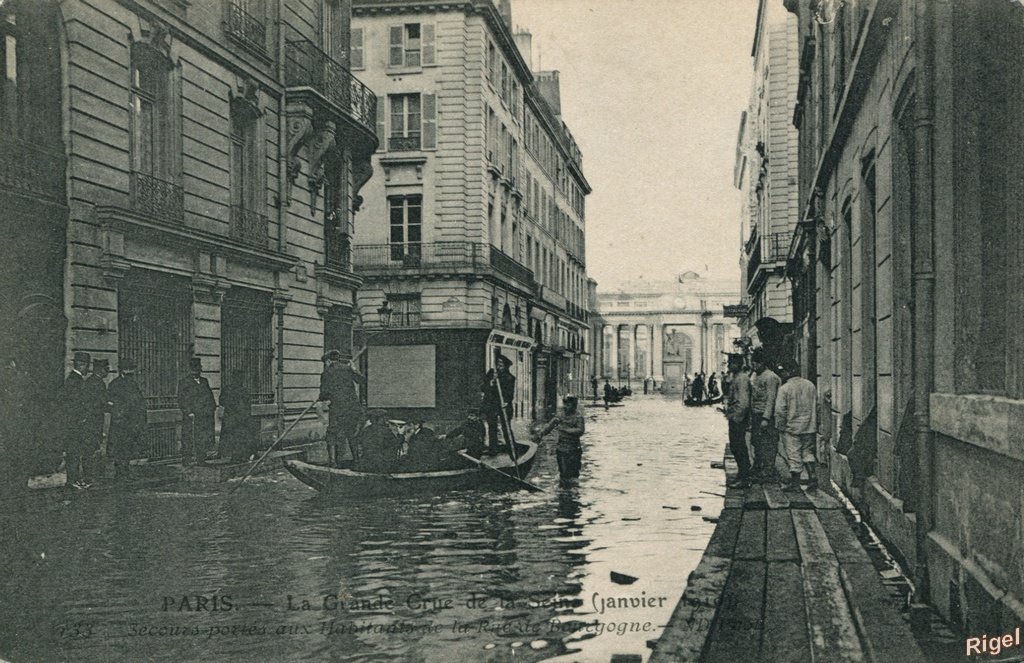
[
  {"x": 244, "y": 28},
  {"x": 249, "y": 227},
  {"x": 438, "y": 258},
  {"x": 157, "y": 198},
  {"x": 403, "y": 143},
  {"x": 306, "y": 66},
  {"x": 505, "y": 264},
  {"x": 768, "y": 251}
]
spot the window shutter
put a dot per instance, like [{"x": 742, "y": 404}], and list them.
[
  {"x": 357, "y": 48},
  {"x": 427, "y": 34},
  {"x": 381, "y": 123},
  {"x": 429, "y": 121},
  {"x": 395, "y": 46}
]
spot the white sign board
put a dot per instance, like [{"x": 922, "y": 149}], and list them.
[{"x": 400, "y": 376}]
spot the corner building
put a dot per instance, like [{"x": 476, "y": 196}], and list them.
[
  {"x": 475, "y": 238},
  {"x": 188, "y": 173}
]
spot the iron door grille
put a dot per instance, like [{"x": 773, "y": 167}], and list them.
[
  {"x": 338, "y": 330},
  {"x": 247, "y": 342}
]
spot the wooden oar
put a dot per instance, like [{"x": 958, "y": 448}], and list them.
[
  {"x": 510, "y": 437},
  {"x": 526, "y": 484},
  {"x": 271, "y": 447}
]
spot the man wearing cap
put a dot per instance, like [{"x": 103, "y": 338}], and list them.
[
  {"x": 75, "y": 418},
  {"x": 569, "y": 452},
  {"x": 796, "y": 419},
  {"x": 764, "y": 388},
  {"x": 338, "y": 387},
  {"x": 493, "y": 403},
  {"x": 127, "y": 419},
  {"x": 195, "y": 399},
  {"x": 737, "y": 411}
]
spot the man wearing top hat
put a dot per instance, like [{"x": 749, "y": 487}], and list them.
[
  {"x": 195, "y": 400},
  {"x": 127, "y": 418},
  {"x": 493, "y": 403},
  {"x": 74, "y": 419},
  {"x": 338, "y": 387}
]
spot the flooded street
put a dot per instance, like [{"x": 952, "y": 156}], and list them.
[{"x": 276, "y": 573}]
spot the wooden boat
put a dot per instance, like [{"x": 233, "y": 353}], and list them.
[
  {"x": 689, "y": 402},
  {"x": 500, "y": 472}
]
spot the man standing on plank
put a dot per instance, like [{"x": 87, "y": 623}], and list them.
[{"x": 797, "y": 421}]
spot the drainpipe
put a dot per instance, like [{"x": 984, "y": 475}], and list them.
[
  {"x": 924, "y": 280},
  {"x": 282, "y": 235}
]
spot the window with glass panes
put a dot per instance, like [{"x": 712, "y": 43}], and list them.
[
  {"x": 406, "y": 218},
  {"x": 411, "y": 45},
  {"x": 406, "y": 119}
]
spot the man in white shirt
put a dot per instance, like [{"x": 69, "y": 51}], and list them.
[{"x": 797, "y": 422}]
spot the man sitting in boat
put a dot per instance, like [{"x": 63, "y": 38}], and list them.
[
  {"x": 378, "y": 446},
  {"x": 472, "y": 433}
]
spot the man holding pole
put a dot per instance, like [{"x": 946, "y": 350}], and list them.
[
  {"x": 195, "y": 400},
  {"x": 498, "y": 389},
  {"x": 338, "y": 387}
]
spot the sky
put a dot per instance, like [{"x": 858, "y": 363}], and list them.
[{"x": 652, "y": 90}]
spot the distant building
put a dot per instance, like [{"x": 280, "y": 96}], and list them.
[
  {"x": 908, "y": 280},
  {"x": 767, "y": 168},
  {"x": 476, "y": 244},
  {"x": 665, "y": 330},
  {"x": 178, "y": 179}
]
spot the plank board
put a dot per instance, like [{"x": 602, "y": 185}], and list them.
[
  {"x": 775, "y": 497},
  {"x": 753, "y": 497},
  {"x": 786, "y": 639},
  {"x": 811, "y": 538},
  {"x": 751, "y": 541},
  {"x": 885, "y": 636},
  {"x": 830, "y": 622},
  {"x": 723, "y": 539},
  {"x": 798, "y": 500},
  {"x": 781, "y": 539},
  {"x": 687, "y": 630},
  {"x": 820, "y": 499},
  {"x": 736, "y": 634},
  {"x": 847, "y": 548}
]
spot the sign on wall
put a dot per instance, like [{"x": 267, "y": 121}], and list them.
[{"x": 400, "y": 376}]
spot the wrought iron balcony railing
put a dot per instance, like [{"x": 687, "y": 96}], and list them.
[
  {"x": 245, "y": 28},
  {"x": 404, "y": 319},
  {"x": 419, "y": 255},
  {"x": 508, "y": 266},
  {"x": 248, "y": 226},
  {"x": 156, "y": 197},
  {"x": 771, "y": 249},
  {"x": 308, "y": 66},
  {"x": 403, "y": 143},
  {"x": 339, "y": 250}
]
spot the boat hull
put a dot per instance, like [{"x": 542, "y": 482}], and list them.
[{"x": 500, "y": 474}]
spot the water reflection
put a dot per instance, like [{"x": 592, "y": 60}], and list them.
[{"x": 465, "y": 576}]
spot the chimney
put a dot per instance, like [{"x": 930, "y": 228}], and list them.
[
  {"x": 505, "y": 9},
  {"x": 547, "y": 83},
  {"x": 524, "y": 42}
]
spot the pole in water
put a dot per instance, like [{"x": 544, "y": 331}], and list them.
[{"x": 271, "y": 447}]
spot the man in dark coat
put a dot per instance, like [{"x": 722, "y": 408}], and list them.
[
  {"x": 74, "y": 419},
  {"x": 195, "y": 399},
  {"x": 338, "y": 387},
  {"x": 127, "y": 419},
  {"x": 494, "y": 404},
  {"x": 239, "y": 429},
  {"x": 94, "y": 391},
  {"x": 471, "y": 431}
]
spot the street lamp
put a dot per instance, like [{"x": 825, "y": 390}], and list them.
[{"x": 384, "y": 313}]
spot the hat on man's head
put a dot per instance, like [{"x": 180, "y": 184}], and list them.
[
  {"x": 101, "y": 365},
  {"x": 195, "y": 362},
  {"x": 332, "y": 355},
  {"x": 573, "y": 398},
  {"x": 502, "y": 359},
  {"x": 127, "y": 364},
  {"x": 760, "y": 355},
  {"x": 82, "y": 358}
]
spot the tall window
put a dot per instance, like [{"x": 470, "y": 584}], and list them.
[
  {"x": 405, "y": 310},
  {"x": 244, "y": 164},
  {"x": 406, "y": 218},
  {"x": 411, "y": 45},
  {"x": 151, "y": 107},
  {"x": 247, "y": 342},
  {"x": 338, "y": 330},
  {"x": 413, "y": 122},
  {"x": 356, "y": 57},
  {"x": 30, "y": 103}
]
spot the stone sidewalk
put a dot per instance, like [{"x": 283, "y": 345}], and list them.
[{"x": 784, "y": 579}]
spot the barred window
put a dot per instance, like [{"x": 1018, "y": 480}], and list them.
[
  {"x": 154, "y": 320},
  {"x": 338, "y": 330},
  {"x": 247, "y": 341}
]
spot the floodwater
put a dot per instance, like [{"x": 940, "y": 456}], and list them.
[{"x": 276, "y": 573}]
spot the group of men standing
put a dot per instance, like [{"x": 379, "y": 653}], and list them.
[
  {"x": 774, "y": 402},
  {"x": 86, "y": 399}
]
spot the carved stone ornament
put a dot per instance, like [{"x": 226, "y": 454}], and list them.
[
  {"x": 315, "y": 153},
  {"x": 300, "y": 126},
  {"x": 248, "y": 98},
  {"x": 158, "y": 37}
]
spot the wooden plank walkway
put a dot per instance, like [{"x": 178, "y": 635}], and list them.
[{"x": 784, "y": 578}]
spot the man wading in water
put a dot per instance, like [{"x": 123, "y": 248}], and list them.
[{"x": 569, "y": 451}]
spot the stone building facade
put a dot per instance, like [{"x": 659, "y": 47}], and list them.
[
  {"x": 186, "y": 175},
  {"x": 907, "y": 283},
  {"x": 664, "y": 331},
  {"x": 476, "y": 244},
  {"x": 766, "y": 168}
]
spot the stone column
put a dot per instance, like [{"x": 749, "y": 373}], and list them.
[
  {"x": 613, "y": 353},
  {"x": 656, "y": 351}
]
